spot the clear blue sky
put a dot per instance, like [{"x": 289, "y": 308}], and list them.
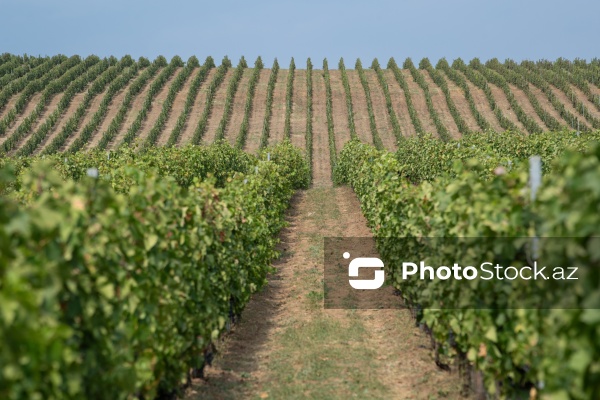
[{"x": 517, "y": 29}]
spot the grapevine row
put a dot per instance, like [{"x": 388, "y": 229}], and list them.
[
  {"x": 155, "y": 88},
  {"x": 460, "y": 81},
  {"x": 200, "y": 77},
  {"x": 329, "y": 111},
  {"x": 100, "y": 114},
  {"x": 309, "y": 114},
  {"x": 289, "y": 97},
  {"x": 346, "y": 84},
  {"x": 495, "y": 78},
  {"x": 53, "y": 88},
  {"x": 388, "y": 99},
  {"x": 210, "y": 96},
  {"x": 231, "y": 90},
  {"x": 479, "y": 80},
  {"x": 519, "y": 81},
  {"x": 363, "y": 79},
  {"x": 175, "y": 88},
  {"x": 264, "y": 137},
  {"x": 439, "y": 80},
  {"x": 36, "y": 86},
  {"x": 243, "y": 134},
  {"x": 414, "y": 117},
  {"x": 442, "y": 130}
]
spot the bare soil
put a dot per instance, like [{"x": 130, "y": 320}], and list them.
[
  {"x": 589, "y": 106},
  {"x": 278, "y": 110},
  {"x": 418, "y": 100},
  {"x": 29, "y": 107},
  {"x": 339, "y": 109},
  {"x": 10, "y": 105},
  {"x": 441, "y": 105},
  {"x": 460, "y": 101},
  {"x": 257, "y": 116},
  {"x": 359, "y": 102},
  {"x": 382, "y": 117},
  {"x": 399, "y": 103},
  {"x": 87, "y": 117},
  {"x": 177, "y": 109},
  {"x": 321, "y": 161},
  {"x": 563, "y": 98},
  {"x": 218, "y": 109},
  {"x": 237, "y": 111},
  {"x": 298, "y": 117},
  {"x": 288, "y": 346}
]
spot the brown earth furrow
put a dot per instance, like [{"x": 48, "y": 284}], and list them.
[
  {"x": 321, "y": 161},
  {"x": 156, "y": 107},
  {"x": 359, "y": 107},
  {"x": 257, "y": 116},
  {"x": 298, "y": 117},
  {"x": 49, "y": 109},
  {"x": 399, "y": 104},
  {"x": 29, "y": 107},
  {"x": 62, "y": 120},
  {"x": 502, "y": 102},
  {"x": 10, "y": 105},
  {"x": 382, "y": 117},
  {"x": 564, "y": 99},
  {"x": 589, "y": 106},
  {"x": 176, "y": 109},
  {"x": 278, "y": 111},
  {"x": 526, "y": 105},
  {"x": 339, "y": 110},
  {"x": 418, "y": 100},
  {"x": 218, "y": 109},
  {"x": 237, "y": 111},
  {"x": 132, "y": 113},
  {"x": 113, "y": 109},
  {"x": 441, "y": 105},
  {"x": 188, "y": 130},
  {"x": 546, "y": 104},
  {"x": 460, "y": 101},
  {"x": 482, "y": 104}
]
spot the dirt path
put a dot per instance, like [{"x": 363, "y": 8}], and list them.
[
  {"x": 187, "y": 133},
  {"x": 257, "y": 116},
  {"x": 31, "y": 105},
  {"x": 87, "y": 117},
  {"x": 359, "y": 102},
  {"x": 278, "y": 111},
  {"x": 399, "y": 103},
  {"x": 382, "y": 117},
  {"x": 339, "y": 109},
  {"x": 461, "y": 103},
  {"x": 563, "y": 98},
  {"x": 288, "y": 347},
  {"x": 237, "y": 111},
  {"x": 438, "y": 98},
  {"x": 177, "y": 109},
  {"x": 298, "y": 117},
  {"x": 418, "y": 100},
  {"x": 9, "y": 105},
  {"x": 589, "y": 106},
  {"x": 321, "y": 160}
]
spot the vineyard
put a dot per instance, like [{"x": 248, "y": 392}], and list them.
[{"x": 145, "y": 204}]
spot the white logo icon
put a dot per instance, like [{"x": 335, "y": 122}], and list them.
[{"x": 365, "y": 262}]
